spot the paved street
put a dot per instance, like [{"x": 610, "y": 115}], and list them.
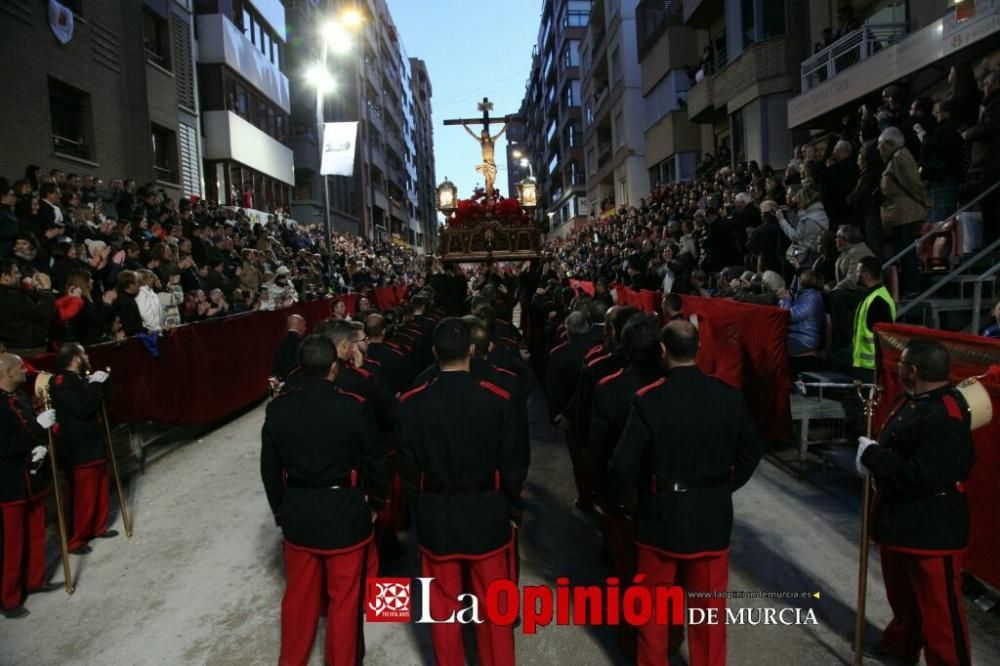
[{"x": 200, "y": 582}]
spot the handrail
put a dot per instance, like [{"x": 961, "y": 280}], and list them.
[
  {"x": 985, "y": 252},
  {"x": 938, "y": 226},
  {"x": 852, "y": 48},
  {"x": 977, "y": 297}
]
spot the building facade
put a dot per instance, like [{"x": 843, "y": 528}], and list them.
[
  {"x": 552, "y": 136},
  {"x": 377, "y": 87},
  {"x": 245, "y": 102},
  {"x": 613, "y": 130},
  {"x": 427, "y": 215},
  {"x": 99, "y": 97}
]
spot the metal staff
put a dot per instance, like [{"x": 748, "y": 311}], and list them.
[
  {"x": 859, "y": 623},
  {"x": 126, "y": 518},
  {"x": 42, "y": 391}
]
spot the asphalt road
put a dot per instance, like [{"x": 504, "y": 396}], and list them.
[{"x": 201, "y": 580}]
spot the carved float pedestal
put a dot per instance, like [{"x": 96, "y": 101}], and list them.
[{"x": 489, "y": 240}]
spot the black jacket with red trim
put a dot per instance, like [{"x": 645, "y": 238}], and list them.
[
  {"x": 691, "y": 429},
  {"x": 563, "y": 373},
  {"x": 924, "y": 457},
  {"x": 461, "y": 464},
  {"x": 80, "y": 434},
  {"x": 19, "y": 434},
  {"x": 396, "y": 369},
  {"x": 609, "y": 412},
  {"x": 579, "y": 408},
  {"x": 313, "y": 437}
]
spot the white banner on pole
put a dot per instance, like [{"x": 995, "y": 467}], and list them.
[{"x": 338, "y": 149}]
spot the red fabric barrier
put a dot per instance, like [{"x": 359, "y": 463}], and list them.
[
  {"x": 385, "y": 297},
  {"x": 971, "y": 356},
  {"x": 205, "y": 372},
  {"x": 580, "y": 285},
  {"x": 746, "y": 346}
]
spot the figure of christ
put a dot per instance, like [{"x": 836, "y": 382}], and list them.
[{"x": 489, "y": 166}]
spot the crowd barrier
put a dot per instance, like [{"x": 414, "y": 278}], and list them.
[
  {"x": 744, "y": 345},
  {"x": 204, "y": 372},
  {"x": 971, "y": 356}
]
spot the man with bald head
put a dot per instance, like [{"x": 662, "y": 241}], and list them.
[
  {"x": 286, "y": 358},
  {"x": 688, "y": 444},
  {"x": 25, "y": 481}
]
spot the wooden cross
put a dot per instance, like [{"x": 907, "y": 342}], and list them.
[
  {"x": 486, "y": 106},
  {"x": 488, "y": 168}
]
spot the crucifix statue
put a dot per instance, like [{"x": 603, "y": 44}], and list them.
[{"x": 486, "y": 141}]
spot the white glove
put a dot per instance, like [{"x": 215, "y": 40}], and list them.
[
  {"x": 38, "y": 453},
  {"x": 99, "y": 376},
  {"x": 46, "y": 419},
  {"x": 863, "y": 443}
]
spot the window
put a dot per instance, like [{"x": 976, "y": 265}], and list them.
[
  {"x": 164, "y": 154},
  {"x": 669, "y": 95},
  {"x": 747, "y": 12},
  {"x": 69, "y": 109},
  {"x": 774, "y": 18},
  {"x": 261, "y": 36},
  {"x": 571, "y": 135},
  {"x": 620, "y": 129},
  {"x": 571, "y": 53},
  {"x": 571, "y": 94},
  {"x": 616, "y": 66},
  {"x": 156, "y": 39},
  {"x": 739, "y": 136}
]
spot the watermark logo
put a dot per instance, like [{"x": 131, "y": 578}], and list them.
[{"x": 388, "y": 600}]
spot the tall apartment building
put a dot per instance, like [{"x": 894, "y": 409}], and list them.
[
  {"x": 91, "y": 93},
  {"x": 667, "y": 51},
  {"x": 386, "y": 197},
  {"x": 613, "y": 141},
  {"x": 427, "y": 216},
  {"x": 245, "y": 102},
  {"x": 748, "y": 71},
  {"x": 911, "y": 43},
  {"x": 552, "y": 137}
]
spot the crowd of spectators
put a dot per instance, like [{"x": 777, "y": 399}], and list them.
[
  {"x": 795, "y": 237},
  {"x": 85, "y": 262}
]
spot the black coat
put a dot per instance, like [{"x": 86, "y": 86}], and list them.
[
  {"x": 924, "y": 456},
  {"x": 25, "y": 317},
  {"x": 839, "y": 181},
  {"x": 287, "y": 356},
  {"x": 19, "y": 434},
  {"x": 595, "y": 368},
  {"x": 610, "y": 408},
  {"x": 696, "y": 430},
  {"x": 397, "y": 369},
  {"x": 313, "y": 438},
  {"x": 128, "y": 312},
  {"x": 461, "y": 464},
  {"x": 565, "y": 361},
  {"x": 80, "y": 435},
  {"x": 942, "y": 153}
]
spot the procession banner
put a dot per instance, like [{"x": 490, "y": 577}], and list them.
[{"x": 339, "y": 141}]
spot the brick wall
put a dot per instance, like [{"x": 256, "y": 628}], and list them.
[{"x": 104, "y": 59}]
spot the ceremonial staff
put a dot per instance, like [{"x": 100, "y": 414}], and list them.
[
  {"x": 126, "y": 518},
  {"x": 870, "y": 402},
  {"x": 42, "y": 392}
]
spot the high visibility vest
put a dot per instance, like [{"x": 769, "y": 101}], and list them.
[{"x": 864, "y": 338}]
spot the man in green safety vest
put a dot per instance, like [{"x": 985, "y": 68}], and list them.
[{"x": 877, "y": 307}]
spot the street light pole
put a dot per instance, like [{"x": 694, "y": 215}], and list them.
[{"x": 320, "y": 127}]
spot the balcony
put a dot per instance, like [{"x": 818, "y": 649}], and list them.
[
  {"x": 700, "y": 100},
  {"x": 229, "y": 137},
  {"x": 671, "y": 134},
  {"x": 702, "y": 13},
  {"x": 221, "y": 42},
  {"x": 849, "y": 76},
  {"x": 849, "y": 50},
  {"x": 652, "y": 18}
]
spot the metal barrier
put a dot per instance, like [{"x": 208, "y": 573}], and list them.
[{"x": 850, "y": 49}]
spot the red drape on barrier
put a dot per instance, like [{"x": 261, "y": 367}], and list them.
[
  {"x": 580, "y": 285},
  {"x": 746, "y": 346},
  {"x": 204, "y": 373},
  {"x": 971, "y": 356}
]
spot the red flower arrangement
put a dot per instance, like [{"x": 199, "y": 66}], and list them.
[{"x": 471, "y": 211}]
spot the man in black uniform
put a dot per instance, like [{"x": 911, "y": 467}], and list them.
[
  {"x": 77, "y": 396},
  {"x": 287, "y": 356},
  {"x": 920, "y": 519},
  {"x": 689, "y": 442},
  {"x": 562, "y": 377},
  {"x": 325, "y": 475},
  {"x": 397, "y": 369},
  {"x": 463, "y": 470},
  {"x": 25, "y": 480}
]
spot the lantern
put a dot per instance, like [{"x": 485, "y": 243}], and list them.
[
  {"x": 527, "y": 192},
  {"x": 447, "y": 196}
]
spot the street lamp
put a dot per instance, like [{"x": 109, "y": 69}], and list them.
[
  {"x": 526, "y": 163},
  {"x": 319, "y": 77}
]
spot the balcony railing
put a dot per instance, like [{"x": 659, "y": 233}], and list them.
[
  {"x": 653, "y": 17},
  {"x": 66, "y": 146},
  {"x": 849, "y": 50}
]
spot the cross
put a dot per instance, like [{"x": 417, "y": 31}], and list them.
[{"x": 488, "y": 168}]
